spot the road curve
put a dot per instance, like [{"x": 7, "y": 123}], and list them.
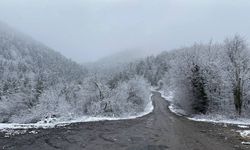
[{"x": 160, "y": 130}]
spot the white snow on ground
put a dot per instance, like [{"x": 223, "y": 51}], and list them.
[
  {"x": 245, "y": 143},
  {"x": 243, "y": 126},
  {"x": 55, "y": 123},
  {"x": 168, "y": 96},
  {"x": 244, "y": 133},
  {"x": 243, "y": 122},
  {"x": 178, "y": 111},
  {"x": 220, "y": 119},
  {"x": 11, "y": 132},
  {"x": 154, "y": 89}
]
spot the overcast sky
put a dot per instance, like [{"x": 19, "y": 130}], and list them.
[{"x": 86, "y": 30}]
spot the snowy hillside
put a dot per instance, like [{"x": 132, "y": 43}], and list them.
[
  {"x": 27, "y": 69},
  {"x": 38, "y": 84}
]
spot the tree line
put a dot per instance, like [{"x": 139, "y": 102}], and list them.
[{"x": 37, "y": 83}]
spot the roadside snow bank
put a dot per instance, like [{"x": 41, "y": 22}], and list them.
[
  {"x": 220, "y": 119},
  {"x": 242, "y": 123},
  {"x": 178, "y": 111},
  {"x": 57, "y": 122},
  {"x": 169, "y": 95}
]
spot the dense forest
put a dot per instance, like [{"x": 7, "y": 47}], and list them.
[{"x": 37, "y": 83}]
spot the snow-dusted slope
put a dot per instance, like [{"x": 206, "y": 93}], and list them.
[
  {"x": 27, "y": 69},
  {"x": 40, "y": 86},
  {"x": 30, "y": 56}
]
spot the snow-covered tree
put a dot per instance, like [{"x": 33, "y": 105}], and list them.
[{"x": 238, "y": 53}]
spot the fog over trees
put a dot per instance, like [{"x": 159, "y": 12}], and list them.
[{"x": 37, "y": 83}]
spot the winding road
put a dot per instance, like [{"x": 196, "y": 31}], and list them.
[{"x": 160, "y": 130}]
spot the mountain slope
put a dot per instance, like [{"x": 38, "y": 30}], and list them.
[
  {"x": 27, "y": 69},
  {"x": 39, "y": 85},
  {"x": 30, "y": 56}
]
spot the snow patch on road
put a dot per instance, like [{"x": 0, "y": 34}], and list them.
[
  {"x": 58, "y": 122},
  {"x": 244, "y": 133},
  {"x": 243, "y": 126},
  {"x": 12, "y": 132},
  {"x": 245, "y": 143}
]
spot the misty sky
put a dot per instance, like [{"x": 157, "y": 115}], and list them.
[{"x": 86, "y": 30}]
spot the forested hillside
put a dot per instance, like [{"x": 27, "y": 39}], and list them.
[
  {"x": 37, "y": 83},
  {"x": 27, "y": 70},
  {"x": 210, "y": 79}
]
